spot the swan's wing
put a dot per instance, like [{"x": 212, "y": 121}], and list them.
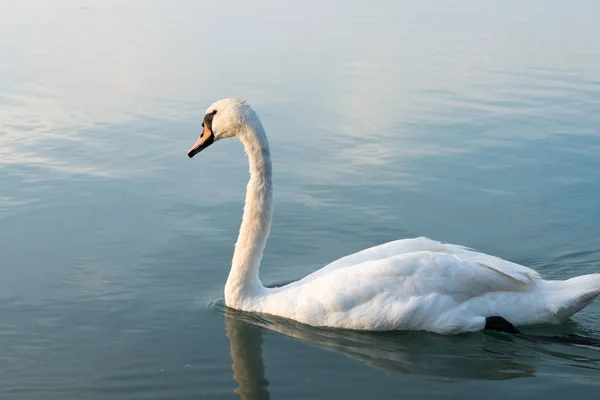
[
  {"x": 511, "y": 269},
  {"x": 385, "y": 250},
  {"x": 421, "y": 273},
  {"x": 408, "y": 246},
  {"x": 416, "y": 290},
  {"x": 425, "y": 278}
]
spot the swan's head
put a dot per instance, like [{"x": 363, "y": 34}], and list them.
[{"x": 225, "y": 118}]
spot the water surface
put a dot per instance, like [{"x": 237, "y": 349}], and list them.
[{"x": 470, "y": 123}]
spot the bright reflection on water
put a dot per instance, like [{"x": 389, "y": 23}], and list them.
[{"x": 467, "y": 122}]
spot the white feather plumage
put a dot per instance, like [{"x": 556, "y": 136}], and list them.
[{"x": 411, "y": 284}]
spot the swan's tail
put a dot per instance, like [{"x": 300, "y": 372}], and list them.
[{"x": 565, "y": 298}]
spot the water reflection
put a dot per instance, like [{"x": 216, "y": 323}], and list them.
[
  {"x": 477, "y": 356},
  {"x": 246, "y": 352}
]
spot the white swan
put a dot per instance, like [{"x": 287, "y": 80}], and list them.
[{"x": 411, "y": 284}]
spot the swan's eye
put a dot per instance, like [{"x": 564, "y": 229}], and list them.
[
  {"x": 208, "y": 118},
  {"x": 206, "y": 137}
]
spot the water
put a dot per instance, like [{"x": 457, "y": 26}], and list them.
[{"x": 470, "y": 123}]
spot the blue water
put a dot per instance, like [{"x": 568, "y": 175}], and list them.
[{"x": 472, "y": 123}]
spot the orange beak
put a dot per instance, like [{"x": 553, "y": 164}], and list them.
[{"x": 205, "y": 140}]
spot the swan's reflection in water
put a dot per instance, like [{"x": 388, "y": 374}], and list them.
[
  {"x": 476, "y": 356},
  {"x": 245, "y": 341}
]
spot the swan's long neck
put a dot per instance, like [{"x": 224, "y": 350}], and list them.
[{"x": 243, "y": 281}]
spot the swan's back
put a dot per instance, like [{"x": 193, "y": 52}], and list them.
[{"x": 406, "y": 246}]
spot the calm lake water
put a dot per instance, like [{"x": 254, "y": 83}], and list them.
[{"x": 473, "y": 123}]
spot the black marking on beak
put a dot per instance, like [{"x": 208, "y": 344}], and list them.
[{"x": 207, "y": 138}]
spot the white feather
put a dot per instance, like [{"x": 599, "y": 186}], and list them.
[{"x": 411, "y": 284}]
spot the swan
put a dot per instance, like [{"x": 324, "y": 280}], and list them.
[{"x": 409, "y": 284}]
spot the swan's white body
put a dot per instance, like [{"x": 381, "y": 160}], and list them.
[{"x": 411, "y": 284}]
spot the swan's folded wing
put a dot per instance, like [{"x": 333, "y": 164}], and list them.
[
  {"x": 386, "y": 250},
  {"x": 411, "y": 291},
  {"x": 420, "y": 244},
  {"x": 514, "y": 270},
  {"x": 408, "y": 276}
]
